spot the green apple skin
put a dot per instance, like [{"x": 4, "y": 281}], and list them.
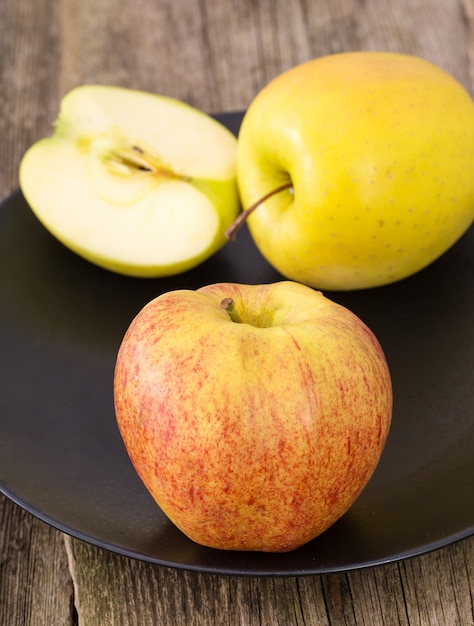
[
  {"x": 140, "y": 184},
  {"x": 378, "y": 148},
  {"x": 253, "y": 428}
]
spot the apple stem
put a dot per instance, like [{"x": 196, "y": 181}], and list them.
[
  {"x": 231, "y": 232},
  {"x": 228, "y": 305}
]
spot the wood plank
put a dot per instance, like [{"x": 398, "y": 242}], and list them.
[
  {"x": 29, "y": 52},
  {"x": 467, "y": 9},
  {"x": 432, "y": 589},
  {"x": 438, "y": 588},
  {"x": 218, "y": 55},
  {"x": 35, "y": 583}
]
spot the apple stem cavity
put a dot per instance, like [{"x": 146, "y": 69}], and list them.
[
  {"x": 231, "y": 232},
  {"x": 228, "y": 305}
]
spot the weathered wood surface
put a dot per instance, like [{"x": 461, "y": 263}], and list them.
[
  {"x": 428, "y": 590},
  {"x": 215, "y": 55}
]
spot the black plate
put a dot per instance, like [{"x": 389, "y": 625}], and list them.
[{"x": 62, "y": 459}]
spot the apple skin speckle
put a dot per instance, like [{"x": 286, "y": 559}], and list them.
[{"x": 251, "y": 435}]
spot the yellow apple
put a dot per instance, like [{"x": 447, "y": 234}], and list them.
[
  {"x": 375, "y": 154},
  {"x": 138, "y": 183},
  {"x": 254, "y": 414}
]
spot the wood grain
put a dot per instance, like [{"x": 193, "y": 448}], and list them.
[
  {"x": 216, "y": 56},
  {"x": 468, "y": 11},
  {"x": 427, "y": 590},
  {"x": 35, "y": 582}
]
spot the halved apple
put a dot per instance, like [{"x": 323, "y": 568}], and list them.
[{"x": 137, "y": 183}]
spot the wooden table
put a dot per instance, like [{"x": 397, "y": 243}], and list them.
[{"x": 215, "y": 55}]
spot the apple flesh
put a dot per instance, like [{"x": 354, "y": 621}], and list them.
[
  {"x": 137, "y": 183},
  {"x": 254, "y": 414},
  {"x": 374, "y": 151}
]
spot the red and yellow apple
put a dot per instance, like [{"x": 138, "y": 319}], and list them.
[
  {"x": 138, "y": 183},
  {"x": 254, "y": 414},
  {"x": 374, "y": 152}
]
